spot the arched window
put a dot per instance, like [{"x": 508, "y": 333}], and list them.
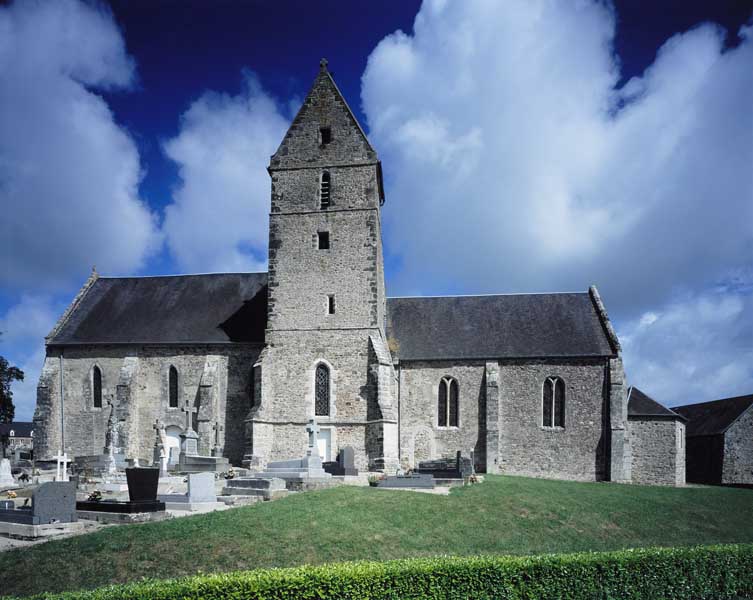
[
  {"x": 172, "y": 385},
  {"x": 97, "y": 386},
  {"x": 553, "y": 402},
  {"x": 12, "y": 433},
  {"x": 321, "y": 391},
  {"x": 324, "y": 190},
  {"x": 448, "y": 411}
]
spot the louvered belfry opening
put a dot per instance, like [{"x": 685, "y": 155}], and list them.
[
  {"x": 324, "y": 190},
  {"x": 321, "y": 384}
]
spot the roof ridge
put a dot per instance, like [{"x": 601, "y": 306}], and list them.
[
  {"x": 489, "y": 295},
  {"x": 183, "y": 275},
  {"x": 714, "y": 401}
]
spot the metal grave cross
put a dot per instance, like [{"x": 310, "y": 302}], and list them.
[{"x": 313, "y": 430}]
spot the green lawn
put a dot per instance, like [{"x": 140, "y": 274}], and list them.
[{"x": 504, "y": 515}]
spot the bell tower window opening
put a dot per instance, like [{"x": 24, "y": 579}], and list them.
[
  {"x": 323, "y": 240},
  {"x": 331, "y": 304},
  {"x": 325, "y": 134},
  {"x": 324, "y": 190}
]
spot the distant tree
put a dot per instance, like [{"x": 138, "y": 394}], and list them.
[{"x": 8, "y": 375}]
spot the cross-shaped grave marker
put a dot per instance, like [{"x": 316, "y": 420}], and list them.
[{"x": 62, "y": 467}]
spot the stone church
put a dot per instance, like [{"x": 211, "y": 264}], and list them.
[{"x": 531, "y": 384}]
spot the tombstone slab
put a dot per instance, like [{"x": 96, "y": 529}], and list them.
[
  {"x": 344, "y": 465},
  {"x": 6, "y": 478}
]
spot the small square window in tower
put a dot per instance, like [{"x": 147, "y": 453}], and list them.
[
  {"x": 331, "y": 304},
  {"x": 326, "y": 135},
  {"x": 323, "y": 240},
  {"x": 324, "y": 190}
]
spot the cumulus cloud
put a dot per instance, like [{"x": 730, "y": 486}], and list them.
[
  {"x": 694, "y": 349},
  {"x": 514, "y": 163},
  {"x": 24, "y": 327},
  {"x": 69, "y": 174},
  {"x": 219, "y": 217}
]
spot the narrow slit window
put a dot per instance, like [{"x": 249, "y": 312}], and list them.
[
  {"x": 326, "y": 135},
  {"x": 331, "y": 304},
  {"x": 324, "y": 190},
  {"x": 97, "y": 387},
  {"x": 323, "y": 240},
  {"x": 173, "y": 387}
]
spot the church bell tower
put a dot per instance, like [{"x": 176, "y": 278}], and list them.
[{"x": 326, "y": 355}]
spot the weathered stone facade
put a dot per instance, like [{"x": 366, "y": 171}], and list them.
[
  {"x": 135, "y": 380},
  {"x": 658, "y": 450},
  {"x": 738, "y": 451},
  {"x": 261, "y": 354}
]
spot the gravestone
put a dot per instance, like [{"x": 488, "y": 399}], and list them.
[
  {"x": 344, "y": 465},
  {"x": 52, "y": 502},
  {"x": 142, "y": 493},
  {"x": 201, "y": 493},
  {"x": 447, "y": 468},
  {"x": 6, "y": 478},
  {"x": 412, "y": 481}
]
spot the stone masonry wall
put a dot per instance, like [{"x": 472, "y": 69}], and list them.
[
  {"x": 576, "y": 451},
  {"x": 738, "y": 450},
  {"x": 287, "y": 404},
  {"x": 421, "y": 438},
  {"x": 658, "y": 450},
  {"x": 147, "y": 398}
]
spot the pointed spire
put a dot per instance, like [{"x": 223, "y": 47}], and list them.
[{"x": 323, "y": 64}]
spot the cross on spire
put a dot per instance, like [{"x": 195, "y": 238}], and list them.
[{"x": 323, "y": 64}]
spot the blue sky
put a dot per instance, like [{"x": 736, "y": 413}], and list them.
[{"x": 527, "y": 147}]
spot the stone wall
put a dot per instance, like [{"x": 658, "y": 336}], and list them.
[
  {"x": 277, "y": 425},
  {"x": 135, "y": 379},
  {"x": 738, "y": 451},
  {"x": 421, "y": 438},
  {"x": 658, "y": 450},
  {"x": 576, "y": 451}
]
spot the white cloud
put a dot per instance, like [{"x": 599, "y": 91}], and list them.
[
  {"x": 69, "y": 174},
  {"x": 513, "y": 164},
  {"x": 219, "y": 218},
  {"x": 24, "y": 327},
  {"x": 695, "y": 349}
]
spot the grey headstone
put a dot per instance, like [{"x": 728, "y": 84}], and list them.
[
  {"x": 55, "y": 502},
  {"x": 174, "y": 455},
  {"x": 201, "y": 487}
]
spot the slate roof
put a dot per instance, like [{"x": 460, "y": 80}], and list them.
[
  {"x": 712, "y": 418},
  {"x": 641, "y": 405},
  {"x": 20, "y": 428},
  {"x": 505, "y": 326},
  {"x": 221, "y": 308}
]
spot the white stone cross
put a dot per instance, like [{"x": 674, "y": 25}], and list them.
[
  {"x": 62, "y": 467},
  {"x": 189, "y": 409}
]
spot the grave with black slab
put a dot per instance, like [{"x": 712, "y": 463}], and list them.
[
  {"x": 344, "y": 465},
  {"x": 447, "y": 470},
  {"x": 52, "y": 511},
  {"x": 142, "y": 505}
]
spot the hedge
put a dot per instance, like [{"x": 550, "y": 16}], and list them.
[{"x": 717, "y": 572}]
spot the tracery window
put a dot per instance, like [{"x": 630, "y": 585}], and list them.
[
  {"x": 321, "y": 391},
  {"x": 448, "y": 412},
  {"x": 553, "y": 402},
  {"x": 172, "y": 381},
  {"x": 97, "y": 386},
  {"x": 324, "y": 190}
]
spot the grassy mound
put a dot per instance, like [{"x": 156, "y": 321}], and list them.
[{"x": 505, "y": 515}]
